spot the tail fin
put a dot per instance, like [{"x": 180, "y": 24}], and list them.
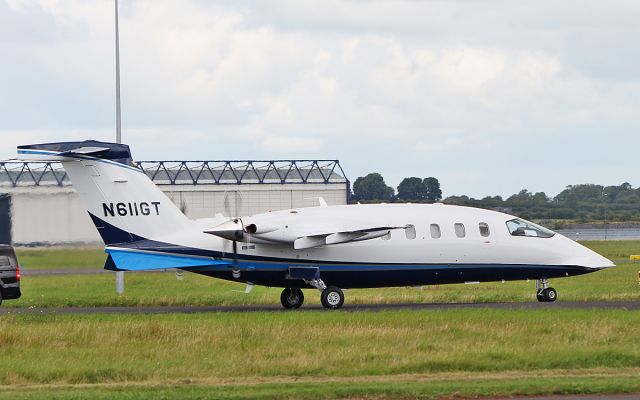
[{"x": 122, "y": 201}]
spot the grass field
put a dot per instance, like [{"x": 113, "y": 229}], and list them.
[
  {"x": 61, "y": 257},
  {"x": 320, "y": 354},
  {"x": 155, "y": 288},
  {"x": 314, "y": 354}
]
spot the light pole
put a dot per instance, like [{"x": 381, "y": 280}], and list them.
[
  {"x": 605, "y": 215},
  {"x": 118, "y": 120},
  {"x": 119, "y": 274}
]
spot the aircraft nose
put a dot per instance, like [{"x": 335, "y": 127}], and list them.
[
  {"x": 588, "y": 258},
  {"x": 576, "y": 254},
  {"x": 597, "y": 262}
]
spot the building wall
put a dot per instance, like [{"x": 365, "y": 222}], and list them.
[
  {"x": 56, "y": 215},
  {"x": 204, "y": 201}
]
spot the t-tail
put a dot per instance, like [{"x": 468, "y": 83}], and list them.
[{"x": 127, "y": 208}]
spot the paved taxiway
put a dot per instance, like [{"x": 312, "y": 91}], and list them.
[{"x": 620, "y": 305}]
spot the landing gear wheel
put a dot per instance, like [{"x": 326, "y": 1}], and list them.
[
  {"x": 549, "y": 294},
  {"x": 544, "y": 293},
  {"x": 291, "y": 298},
  {"x": 332, "y": 298}
]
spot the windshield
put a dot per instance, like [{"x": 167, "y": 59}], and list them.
[{"x": 520, "y": 227}]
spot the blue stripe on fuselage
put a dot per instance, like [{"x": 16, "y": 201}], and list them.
[
  {"x": 144, "y": 260},
  {"x": 128, "y": 260}
]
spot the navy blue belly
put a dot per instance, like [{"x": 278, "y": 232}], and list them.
[
  {"x": 363, "y": 276},
  {"x": 273, "y": 271}
]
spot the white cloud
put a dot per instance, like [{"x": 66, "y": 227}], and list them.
[
  {"x": 291, "y": 145},
  {"x": 403, "y": 78}
]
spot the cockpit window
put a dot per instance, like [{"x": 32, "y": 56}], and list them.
[{"x": 520, "y": 227}]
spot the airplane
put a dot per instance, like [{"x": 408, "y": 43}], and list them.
[{"x": 329, "y": 248}]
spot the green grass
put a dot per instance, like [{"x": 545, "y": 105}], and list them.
[
  {"x": 479, "y": 351},
  {"x": 61, "y": 257},
  {"x": 390, "y": 388},
  {"x": 315, "y": 354},
  {"x": 150, "y": 289}
]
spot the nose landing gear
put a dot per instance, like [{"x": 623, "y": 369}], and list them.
[{"x": 544, "y": 293}]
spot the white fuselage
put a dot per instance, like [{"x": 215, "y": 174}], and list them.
[
  {"x": 358, "y": 245},
  {"x": 400, "y": 247}
]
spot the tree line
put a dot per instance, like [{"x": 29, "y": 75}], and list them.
[
  {"x": 373, "y": 188},
  {"x": 581, "y": 203}
]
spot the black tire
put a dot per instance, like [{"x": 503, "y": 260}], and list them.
[
  {"x": 332, "y": 298},
  {"x": 291, "y": 298},
  {"x": 550, "y": 295},
  {"x": 540, "y": 296},
  {"x": 0, "y": 297}
]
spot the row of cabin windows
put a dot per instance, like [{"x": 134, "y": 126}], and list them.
[{"x": 436, "y": 233}]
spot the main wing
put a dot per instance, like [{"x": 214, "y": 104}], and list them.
[
  {"x": 342, "y": 236},
  {"x": 301, "y": 236}
]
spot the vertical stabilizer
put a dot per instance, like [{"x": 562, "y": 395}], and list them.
[{"x": 124, "y": 204}]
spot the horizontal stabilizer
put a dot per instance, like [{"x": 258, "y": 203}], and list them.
[
  {"x": 85, "y": 151},
  {"x": 88, "y": 149},
  {"x": 131, "y": 260}
]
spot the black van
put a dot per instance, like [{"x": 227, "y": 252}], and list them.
[{"x": 9, "y": 274}]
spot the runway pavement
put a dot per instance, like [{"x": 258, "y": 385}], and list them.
[{"x": 620, "y": 305}]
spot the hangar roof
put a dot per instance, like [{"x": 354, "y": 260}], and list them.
[{"x": 214, "y": 172}]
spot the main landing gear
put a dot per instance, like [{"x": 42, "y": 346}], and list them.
[
  {"x": 292, "y": 298},
  {"x": 331, "y": 297},
  {"x": 544, "y": 293}
]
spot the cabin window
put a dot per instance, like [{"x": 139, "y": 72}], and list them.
[
  {"x": 410, "y": 231},
  {"x": 435, "y": 231},
  {"x": 459, "y": 228},
  {"x": 484, "y": 229},
  {"x": 520, "y": 227}
]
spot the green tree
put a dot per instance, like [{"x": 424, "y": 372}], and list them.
[
  {"x": 432, "y": 186},
  {"x": 522, "y": 198},
  {"x": 583, "y": 192},
  {"x": 372, "y": 187},
  {"x": 412, "y": 189}
]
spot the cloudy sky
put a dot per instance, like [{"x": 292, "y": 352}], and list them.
[{"x": 488, "y": 96}]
